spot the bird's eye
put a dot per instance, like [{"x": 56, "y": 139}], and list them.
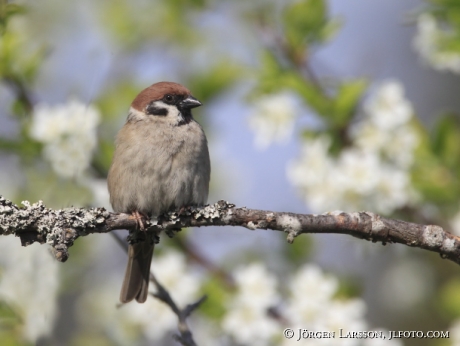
[{"x": 168, "y": 98}]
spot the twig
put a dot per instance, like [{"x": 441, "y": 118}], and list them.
[
  {"x": 60, "y": 228},
  {"x": 276, "y": 42},
  {"x": 19, "y": 88},
  {"x": 185, "y": 336}
]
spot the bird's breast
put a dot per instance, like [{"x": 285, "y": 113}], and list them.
[{"x": 160, "y": 169}]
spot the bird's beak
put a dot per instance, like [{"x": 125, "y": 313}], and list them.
[{"x": 189, "y": 103}]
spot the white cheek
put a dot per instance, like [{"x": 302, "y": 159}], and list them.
[
  {"x": 134, "y": 114},
  {"x": 173, "y": 112}
]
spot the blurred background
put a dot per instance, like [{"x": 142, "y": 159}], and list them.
[{"x": 310, "y": 106}]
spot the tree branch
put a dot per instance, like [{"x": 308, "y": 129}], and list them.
[{"x": 60, "y": 228}]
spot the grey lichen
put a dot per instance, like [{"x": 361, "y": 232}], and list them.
[
  {"x": 433, "y": 235},
  {"x": 59, "y": 228},
  {"x": 377, "y": 225},
  {"x": 212, "y": 211},
  {"x": 172, "y": 222},
  {"x": 251, "y": 225},
  {"x": 208, "y": 212},
  {"x": 448, "y": 245},
  {"x": 289, "y": 224},
  {"x": 7, "y": 222}
]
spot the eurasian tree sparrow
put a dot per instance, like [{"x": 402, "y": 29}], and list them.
[{"x": 161, "y": 163}]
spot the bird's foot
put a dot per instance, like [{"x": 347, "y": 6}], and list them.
[
  {"x": 140, "y": 219},
  {"x": 181, "y": 210}
]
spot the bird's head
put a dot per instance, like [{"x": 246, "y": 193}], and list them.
[{"x": 165, "y": 102}]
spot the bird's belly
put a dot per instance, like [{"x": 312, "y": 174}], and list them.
[{"x": 169, "y": 186}]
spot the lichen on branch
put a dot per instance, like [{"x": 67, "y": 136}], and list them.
[{"x": 60, "y": 228}]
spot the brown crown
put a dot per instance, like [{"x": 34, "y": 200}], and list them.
[{"x": 156, "y": 92}]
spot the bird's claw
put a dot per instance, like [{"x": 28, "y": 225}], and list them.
[{"x": 140, "y": 220}]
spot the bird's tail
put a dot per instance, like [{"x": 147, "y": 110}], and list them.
[{"x": 137, "y": 275}]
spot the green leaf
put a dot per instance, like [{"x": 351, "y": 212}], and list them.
[
  {"x": 91, "y": 337},
  {"x": 450, "y": 298},
  {"x": 11, "y": 324},
  {"x": 348, "y": 288},
  {"x": 304, "y": 22},
  {"x": 346, "y": 101},
  {"x": 8, "y": 316},
  {"x": 25, "y": 148},
  {"x": 330, "y": 29},
  {"x": 446, "y": 140},
  {"x": 299, "y": 251},
  {"x": 11, "y": 9},
  {"x": 437, "y": 163},
  {"x": 310, "y": 93},
  {"x": 273, "y": 78},
  {"x": 11, "y": 338},
  {"x": 270, "y": 75},
  {"x": 214, "y": 306},
  {"x": 430, "y": 177},
  {"x": 134, "y": 27},
  {"x": 8, "y": 10}
]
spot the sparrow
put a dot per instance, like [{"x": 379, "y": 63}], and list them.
[{"x": 161, "y": 163}]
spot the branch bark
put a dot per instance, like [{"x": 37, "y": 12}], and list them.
[{"x": 60, "y": 228}]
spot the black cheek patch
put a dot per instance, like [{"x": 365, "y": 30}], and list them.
[{"x": 153, "y": 110}]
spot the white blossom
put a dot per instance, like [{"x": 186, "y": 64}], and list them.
[
  {"x": 358, "y": 171},
  {"x": 313, "y": 173},
  {"x": 247, "y": 318},
  {"x": 173, "y": 272},
  {"x": 310, "y": 281},
  {"x": 272, "y": 119},
  {"x": 345, "y": 315},
  {"x": 154, "y": 318},
  {"x": 400, "y": 150},
  {"x": 314, "y": 164},
  {"x": 312, "y": 306},
  {"x": 368, "y": 137},
  {"x": 29, "y": 284},
  {"x": 310, "y": 294},
  {"x": 393, "y": 190},
  {"x": 256, "y": 286},
  {"x": 68, "y": 132},
  {"x": 249, "y": 326},
  {"x": 387, "y": 108},
  {"x": 398, "y": 145},
  {"x": 428, "y": 43},
  {"x": 355, "y": 180},
  {"x": 374, "y": 171}
]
